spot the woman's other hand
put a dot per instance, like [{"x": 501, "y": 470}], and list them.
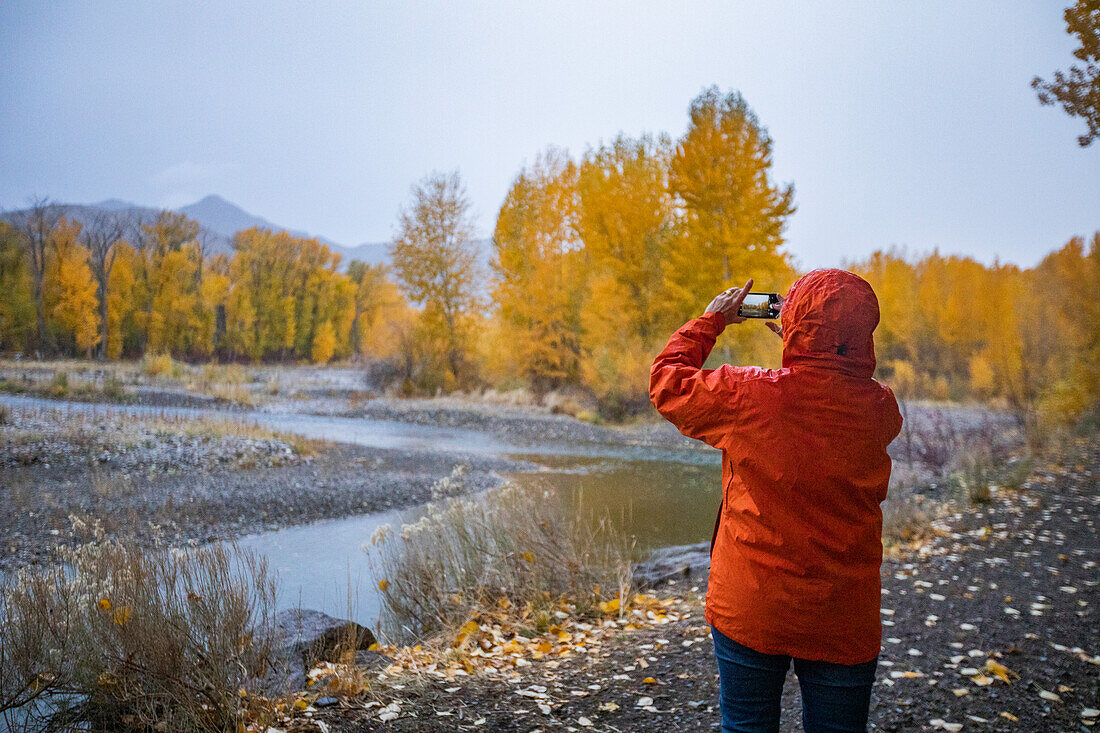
[
  {"x": 777, "y": 328},
  {"x": 728, "y": 303}
]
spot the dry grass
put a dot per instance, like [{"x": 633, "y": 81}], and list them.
[
  {"x": 161, "y": 365},
  {"x": 124, "y": 639},
  {"x": 513, "y": 548}
]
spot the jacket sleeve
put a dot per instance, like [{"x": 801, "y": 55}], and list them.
[
  {"x": 699, "y": 402},
  {"x": 893, "y": 416}
]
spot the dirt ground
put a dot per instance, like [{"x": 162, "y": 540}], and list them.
[{"x": 1004, "y": 589}]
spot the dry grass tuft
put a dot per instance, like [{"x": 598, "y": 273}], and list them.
[
  {"x": 161, "y": 365},
  {"x": 124, "y": 639},
  {"x": 513, "y": 548}
]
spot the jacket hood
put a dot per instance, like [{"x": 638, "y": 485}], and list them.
[{"x": 828, "y": 319}]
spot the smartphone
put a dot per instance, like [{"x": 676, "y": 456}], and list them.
[{"x": 760, "y": 305}]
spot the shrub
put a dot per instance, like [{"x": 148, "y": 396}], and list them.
[
  {"x": 904, "y": 517},
  {"x": 515, "y": 547},
  {"x": 112, "y": 388},
  {"x": 59, "y": 387},
  {"x": 125, "y": 639},
  {"x": 161, "y": 365},
  {"x": 222, "y": 374},
  {"x": 974, "y": 477}
]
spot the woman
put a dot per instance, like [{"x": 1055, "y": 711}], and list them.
[{"x": 798, "y": 540}]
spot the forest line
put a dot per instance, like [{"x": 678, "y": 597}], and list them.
[{"x": 596, "y": 259}]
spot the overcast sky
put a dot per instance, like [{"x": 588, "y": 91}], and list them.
[{"x": 907, "y": 124}]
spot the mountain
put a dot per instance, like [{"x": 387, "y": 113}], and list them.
[
  {"x": 219, "y": 220},
  {"x": 222, "y": 217}
]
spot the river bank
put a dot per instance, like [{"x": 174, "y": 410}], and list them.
[
  {"x": 989, "y": 625},
  {"x": 181, "y": 480}
]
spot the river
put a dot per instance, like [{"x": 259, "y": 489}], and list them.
[{"x": 661, "y": 496}]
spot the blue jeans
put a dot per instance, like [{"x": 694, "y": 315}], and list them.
[{"x": 835, "y": 697}]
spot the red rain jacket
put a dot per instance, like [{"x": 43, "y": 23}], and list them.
[{"x": 797, "y": 551}]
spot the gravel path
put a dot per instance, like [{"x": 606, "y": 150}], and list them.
[{"x": 1005, "y": 588}]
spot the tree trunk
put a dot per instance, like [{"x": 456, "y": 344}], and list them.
[{"x": 102, "y": 294}]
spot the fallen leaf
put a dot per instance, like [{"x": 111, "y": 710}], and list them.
[{"x": 999, "y": 670}]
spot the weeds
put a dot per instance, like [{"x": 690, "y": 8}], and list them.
[
  {"x": 124, "y": 639},
  {"x": 59, "y": 387},
  {"x": 904, "y": 515},
  {"x": 113, "y": 389},
  {"x": 514, "y": 548},
  {"x": 111, "y": 485}
]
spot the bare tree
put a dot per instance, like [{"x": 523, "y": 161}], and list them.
[
  {"x": 435, "y": 257},
  {"x": 101, "y": 234},
  {"x": 1078, "y": 88},
  {"x": 206, "y": 240},
  {"x": 35, "y": 224}
]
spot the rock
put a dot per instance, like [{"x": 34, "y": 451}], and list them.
[
  {"x": 371, "y": 660},
  {"x": 314, "y": 637},
  {"x": 668, "y": 563}
]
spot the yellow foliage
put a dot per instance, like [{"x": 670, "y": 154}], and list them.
[
  {"x": 539, "y": 273},
  {"x": 952, "y": 327},
  {"x": 120, "y": 299},
  {"x": 324, "y": 344},
  {"x": 69, "y": 292}
]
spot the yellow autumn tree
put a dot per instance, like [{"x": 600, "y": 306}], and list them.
[
  {"x": 434, "y": 256},
  {"x": 17, "y": 311},
  {"x": 539, "y": 274},
  {"x": 380, "y": 312},
  {"x": 324, "y": 343},
  {"x": 730, "y": 214},
  {"x": 120, "y": 301},
  {"x": 625, "y": 224},
  {"x": 281, "y": 291},
  {"x": 69, "y": 291}
]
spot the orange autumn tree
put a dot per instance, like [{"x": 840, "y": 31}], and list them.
[
  {"x": 953, "y": 328},
  {"x": 539, "y": 275}
]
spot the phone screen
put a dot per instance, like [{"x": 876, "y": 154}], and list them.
[{"x": 760, "y": 305}]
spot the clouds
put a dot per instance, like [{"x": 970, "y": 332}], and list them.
[{"x": 186, "y": 182}]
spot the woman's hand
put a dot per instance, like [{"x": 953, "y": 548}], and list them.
[
  {"x": 777, "y": 328},
  {"x": 728, "y": 303}
]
